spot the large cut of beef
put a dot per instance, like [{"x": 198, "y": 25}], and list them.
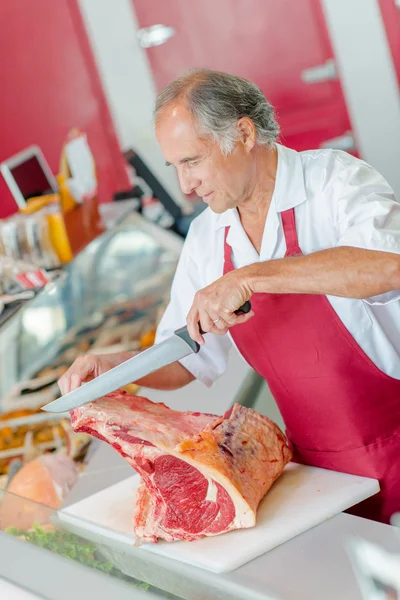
[{"x": 202, "y": 474}]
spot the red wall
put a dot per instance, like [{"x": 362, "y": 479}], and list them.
[
  {"x": 271, "y": 42},
  {"x": 48, "y": 85}
]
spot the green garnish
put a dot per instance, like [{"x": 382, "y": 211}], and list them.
[{"x": 75, "y": 548}]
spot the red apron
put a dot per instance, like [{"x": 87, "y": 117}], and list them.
[{"x": 341, "y": 412}]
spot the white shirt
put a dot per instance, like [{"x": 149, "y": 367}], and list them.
[{"x": 339, "y": 200}]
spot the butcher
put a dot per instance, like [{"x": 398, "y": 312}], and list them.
[{"x": 312, "y": 239}]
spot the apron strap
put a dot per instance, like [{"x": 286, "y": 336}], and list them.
[
  {"x": 227, "y": 248},
  {"x": 290, "y": 233}
]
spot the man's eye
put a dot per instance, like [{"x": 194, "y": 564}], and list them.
[{"x": 193, "y": 163}]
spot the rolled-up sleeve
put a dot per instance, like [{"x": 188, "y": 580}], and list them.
[
  {"x": 212, "y": 359},
  {"x": 367, "y": 215}
]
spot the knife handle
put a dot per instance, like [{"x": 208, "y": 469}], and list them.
[
  {"x": 184, "y": 334},
  {"x": 245, "y": 308}
]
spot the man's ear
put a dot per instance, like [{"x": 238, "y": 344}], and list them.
[{"x": 247, "y": 132}]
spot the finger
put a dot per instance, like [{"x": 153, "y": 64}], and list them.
[
  {"x": 229, "y": 317},
  {"x": 217, "y": 331},
  {"x": 69, "y": 382},
  {"x": 219, "y": 324},
  {"x": 244, "y": 317},
  {"x": 63, "y": 383},
  {"x": 76, "y": 382},
  {"x": 206, "y": 321},
  {"x": 82, "y": 368},
  {"x": 192, "y": 321}
]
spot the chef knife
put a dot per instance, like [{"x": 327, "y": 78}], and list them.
[{"x": 179, "y": 345}]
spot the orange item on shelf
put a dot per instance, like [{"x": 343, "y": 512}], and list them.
[
  {"x": 67, "y": 201},
  {"x": 59, "y": 236},
  {"x": 54, "y": 215},
  {"x": 36, "y": 203}
]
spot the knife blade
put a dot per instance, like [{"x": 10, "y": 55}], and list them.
[{"x": 177, "y": 346}]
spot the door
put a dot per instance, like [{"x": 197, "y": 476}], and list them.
[
  {"x": 49, "y": 84},
  {"x": 390, "y": 11},
  {"x": 282, "y": 46}
]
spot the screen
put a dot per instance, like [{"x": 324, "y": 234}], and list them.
[{"x": 31, "y": 179}]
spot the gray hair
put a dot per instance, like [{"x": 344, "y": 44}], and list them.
[{"x": 217, "y": 101}]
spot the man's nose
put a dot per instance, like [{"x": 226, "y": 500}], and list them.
[{"x": 187, "y": 181}]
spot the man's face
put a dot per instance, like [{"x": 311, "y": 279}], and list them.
[{"x": 222, "y": 181}]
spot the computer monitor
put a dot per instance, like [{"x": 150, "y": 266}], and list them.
[{"x": 27, "y": 175}]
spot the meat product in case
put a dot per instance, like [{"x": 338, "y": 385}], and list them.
[
  {"x": 202, "y": 474},
  {"x": 38, "y": 486}
]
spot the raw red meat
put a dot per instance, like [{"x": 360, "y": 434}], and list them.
[{"x": 201, "y": 474}]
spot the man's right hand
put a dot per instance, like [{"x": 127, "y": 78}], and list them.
[{"x": 88, "y": 367}]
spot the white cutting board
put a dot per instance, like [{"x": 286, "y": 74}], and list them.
[{"x": 301, "y": 498}]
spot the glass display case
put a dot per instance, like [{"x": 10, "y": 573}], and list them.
[
  {"x": 110, "y": 298},
  {"x": 122, "y": 277}
]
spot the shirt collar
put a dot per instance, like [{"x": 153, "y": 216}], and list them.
[{"x": 289, "y": 186}]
